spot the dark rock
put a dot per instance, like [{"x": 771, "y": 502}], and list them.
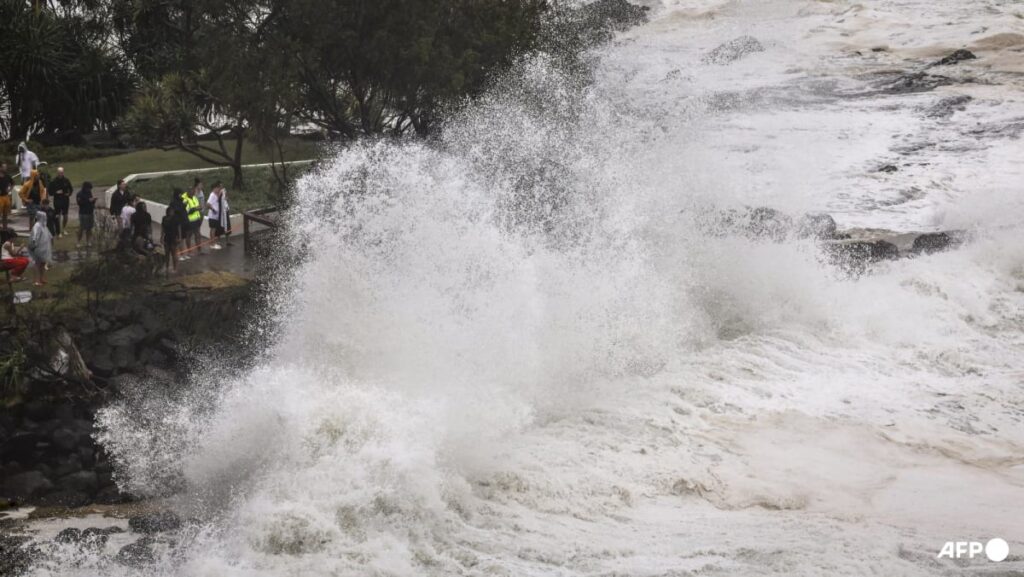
[
  {"x": 154, "y": 522},
  {"x": 16, "y": 554},
  {"x": 39, "y": 410},
  {"x": 820, "y": 226},
  {"x": 71, "y": 464},
  {"x": 111, "y": 495},
  {"x": 889, "y": 168},
  {"x": 64, "y": 439},
  {"x": 127, "y": 336},
  {"x": 22, "y": 447},
  {"x": 103, "y": 325},
  {"x": 101, "y": 363},
  {"x": 855, "y": 256},
  {"x": 733, "y": 50},
  {"x": 136, "y": 554},
  {"x": 63, "y": 498},
  {"x": 948, "y": 106},
  {"x": 95, "y": 541},
  {"x": 932, "y": 242},
  {"x": 956, "y": 57},
  {"x": 69, "y": 535},
  {"x": 764, "y": 222},
  {"x": 112, "y": 530},
  {"x": 913, "y": 82},
  {"x": 87, "y": 456},
  {"x": 64, "y": 412},
  {"x": 83, "y": 481},
  {"x": 26, "y": 486},
  {"x": 124, "y": 357}
]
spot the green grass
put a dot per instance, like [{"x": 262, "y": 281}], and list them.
[
  {"x": 260, "y": 188},
  {"x": 106, "y": 170}
]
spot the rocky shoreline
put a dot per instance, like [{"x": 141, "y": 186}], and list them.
[{"x": 47, "y": 448}]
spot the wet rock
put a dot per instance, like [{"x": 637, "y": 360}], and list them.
[
  {"x": 71, "y": 464},
  {"x": 956, "y": 57},
  {"x": 69, "y": 535},
  {"x": 888, "y": 168},
  {"x": 127, "y": 336},
  {"x": 913, "y": 82},
  {"x": 64, "y": 439},
  {"x": 764, "y": 222},
  {"x": 816, "y": 225},
  {"x": 948, "y": 106},
  {"x": 733, "y": 50},
  {"x": 16, "y": 554},
  {"x": 154, "y": 522},
  {"x": 933, "y": 242},
  {"x": 136, "y": 554},
  {"x": 101, "y": 362},
  {"x": 855, "y": 256},
  {"x": 82, "y": 481},
  {"x": 112, "y": 530},
  {"x": 110, "y": 495},
  {"x": 124, "y": 357},
  {"x": 63, "y": 498},
  {"x": 26, "y": 486},
  {"x": 22, "y": 447}
]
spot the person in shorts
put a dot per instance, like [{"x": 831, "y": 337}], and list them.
[
  {"x": 86, "y": 213},
  {"x": 61, "y": 191}
]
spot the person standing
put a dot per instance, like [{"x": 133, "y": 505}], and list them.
[
  {"x": 86, "y": 213},
  {"x": 6, "y": 186},
  {"x": 51, "y": 217},
  {"x": 32, "y": 193},
  {"x": 61, "y": 191},
  {"x": 117, "y": 202},
  {"x": 26, "y": 160},
  {"x": 170, "y": 234},
  {"x": 40, "y": 246},
  {"x": 197, "y": 189},
  {"x": 126, "y": 219},
  {"x": 213, "y": 208},
  {"x": 13, "y": 256},
  {"x": 194, "y": 220}
]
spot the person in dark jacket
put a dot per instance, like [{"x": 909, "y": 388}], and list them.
[
  {"x": 86, "y": 213},
  {"x": 170, "y": 235},
  {"x": 61, "y": 191},
  {"x": 142, "y": 229},
  {"x": 117, "y": 202}
]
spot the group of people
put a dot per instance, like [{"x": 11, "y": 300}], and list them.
[{"x": 47, "y": 204}]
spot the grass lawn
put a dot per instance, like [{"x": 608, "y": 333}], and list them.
[
  {"x": 260, "y": 188},
  {"x": 106, "y": 170}
]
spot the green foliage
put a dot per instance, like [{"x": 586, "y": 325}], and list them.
[
  {"x": 261, "y": 188},
  {"x": 58, "y": 76}
]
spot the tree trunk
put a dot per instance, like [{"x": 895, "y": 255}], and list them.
[{"x": 236, "y": 164}]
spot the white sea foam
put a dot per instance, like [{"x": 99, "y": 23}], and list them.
[{"x": 514, "y": 352}]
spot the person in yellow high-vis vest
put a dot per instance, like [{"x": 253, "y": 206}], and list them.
[{"x": 193, "y": 220}]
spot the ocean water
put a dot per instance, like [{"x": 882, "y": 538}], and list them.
[{"x": 517, "y": 351}]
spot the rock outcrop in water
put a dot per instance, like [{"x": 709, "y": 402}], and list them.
[
  {"x": 733, "y": 50},
  {"x": 851, "y": 250},
  {"x": 956, "y": 57}
]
